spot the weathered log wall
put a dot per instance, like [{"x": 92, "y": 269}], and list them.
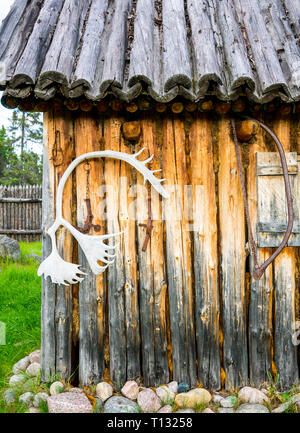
[
  {"x": 186, "y": 308},
  {"x": 21, "y": 212}
]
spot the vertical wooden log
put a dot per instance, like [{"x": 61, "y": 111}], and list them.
[
  {"x": 63, "y": 309},
  {"x": 185, "y": 206},
  {"x": 127, "y": 226},
  {"x": 156, "y": 244},
  {"x": 172, "y": 214},
  {"x": 285, "y": 353},
  {"x": 205, "y": 253},
  {"x": 232, "y": 230},
  {"x": 92, "y": 288},
  {"x": 48, "y": 347},
  {"x": 116, "y": 277},
  {"x": 145, "y": 274},
  {"x": 261, "y": 291},
  {"x": 151, "y": 272},
  {"x": 56, "y": 300}
]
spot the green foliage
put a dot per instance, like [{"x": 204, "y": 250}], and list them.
[
  {"x": 19, "y": 164},
  {"x": 20, "y": 305}
]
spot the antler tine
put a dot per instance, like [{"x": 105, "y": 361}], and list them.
[
  {"x": 156, "y": 171},
  {"x": 148, "y": 160},
  {"x": 139, "y": 152}
]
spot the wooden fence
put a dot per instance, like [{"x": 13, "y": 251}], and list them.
[{"x": 21, "y": 212}]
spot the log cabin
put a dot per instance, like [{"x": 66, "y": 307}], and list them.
[{"x": 180, "y": 301}]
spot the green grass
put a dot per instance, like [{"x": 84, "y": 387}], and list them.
[{"x": 20, "y": 305}]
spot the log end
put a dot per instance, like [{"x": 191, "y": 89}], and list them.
[
  {"x": 246, "y": 130},
  {"x": 132, "y": 130}
]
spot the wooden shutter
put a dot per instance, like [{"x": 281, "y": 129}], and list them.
[{"x": 271, "y": 199}]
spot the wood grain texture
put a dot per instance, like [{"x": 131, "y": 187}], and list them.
[
  {"x": 92, "y": 289},
  {"x": 173, "y": 17},
  {"x": 162, "y": 374},
  {"x": 261, "y": 291},
  {"x": 63, "y": 301},
  {"x": 285, "y": 353},
  {"x": 115, "y": 272},
  {"x": 152, "y": 277},
  {"x": 177, "y": 267},
  {"x": 232, "y": 228},
  {"x": 48, "y": 289},
  {"x": 127, "y": 214},
  {"x": 205, "y": 239}
]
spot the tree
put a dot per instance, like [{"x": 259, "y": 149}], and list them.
[
  {"x": 19, "y": 163},
  {"x": 6, "y": 150},
  {"x": 28, "y": 171}
]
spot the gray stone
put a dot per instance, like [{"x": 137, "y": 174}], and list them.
[
  {"x": 217, "y": 398},
  {"x": 225, "y": 410},
  {"x": 183, "y": 387},
  {"x": 37, "y": 258},
  {"x": 21, "y": 365},
  {"x": 69, "y": 402},
  {"x": 33, "y": 410},
  {"x": 229, "y": 401},
  {"x": 9, "y": 248},
  {"x": 120, "y": 405},
  {"x": 9, "y": 396},
  {"x": 35, "y": 356},
  {"x": 148, "y": 401},
  {"x": 165, "y": 393},
  {"x": 253, "y": 395},
  {"x": 104, "y": 391},
  {"x": 17, "y": 380},
  {"x": 39, "y": 398},
  {"x": 56, "y": 388},
  {"x": 75, "y": 390},
  {"x": 130, "y": 390},
  {"x": 173, "y": 386},
  {"x": 33, "y": 370},
  {"x": 187, "y": 410},
  {"x": 207, "y": 410},
  {"x": 26, "y": 398},
  {"x": 165, "y": 409},
  {"x": 252, "y": 408}
]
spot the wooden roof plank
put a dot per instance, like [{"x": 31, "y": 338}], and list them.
[{"x": 176, "y": 55}]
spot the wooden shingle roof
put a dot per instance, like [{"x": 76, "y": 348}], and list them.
[{"x": 165, "y": 48}]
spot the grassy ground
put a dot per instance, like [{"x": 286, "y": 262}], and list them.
[{"x": 20, "y": 305}]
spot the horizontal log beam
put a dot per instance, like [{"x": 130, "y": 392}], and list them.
[
  {"x": 20, "y": 200},
  {"x": 20, "y": 232}
]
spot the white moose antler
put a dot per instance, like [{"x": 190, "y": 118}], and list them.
[{"x": 62, "y": 272}]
